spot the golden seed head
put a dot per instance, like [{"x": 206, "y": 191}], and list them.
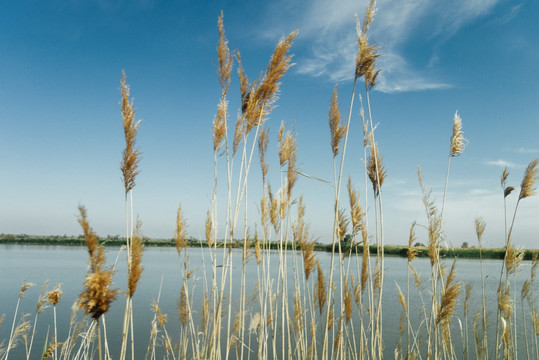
[
  {"x": 457, "y": 139},
  {"x": 480, "y": 226},
  {"x": 219, "y": 125},
  {"x": 263, "y": 93},
  {"x": 131, "y": 155},
  {"x": 54, "y": 295},
  {"x": 356, "y": 212},
  {"x": 89, "y": 235},
  {"x": 263, "y": 142},
  {"x": 342, "y": 224},
  {"x": 412, "y": 252},
  {"x": 503, "y": 179},
  {"x": 135, "y": 267},
  {"x": 180, "y": 234},
  {"x": 24, "y": 287},
  {"x": 367, "y": 53},
  {"x": 527, "y": 187},
  {"x": 224, "y": 57},
  {"x": 208, "y": 227},
  {"x": 183, "y": 308},
  {"x": 320, "y": 289},
  {"x": 337, "y": 130},
  {"x": 375, "y": 168}
]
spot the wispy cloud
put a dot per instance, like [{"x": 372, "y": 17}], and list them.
[
  {"x": 509, "y": 15},
  {"x": 328, "y": 33},
  {"x": 501, "y": 163},
  {"x": 523, "y": 150}
]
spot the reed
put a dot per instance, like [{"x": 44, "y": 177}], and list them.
[{"x": 334, "y": 313}]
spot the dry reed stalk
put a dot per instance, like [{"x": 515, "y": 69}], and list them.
[
  {"x": 301, "y": 237},
  {"x": 480, "y": 226}
]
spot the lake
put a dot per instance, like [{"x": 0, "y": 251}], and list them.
[{"x": 68, "y": 266}]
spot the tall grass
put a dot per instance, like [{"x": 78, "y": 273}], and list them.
[{"x": 328, "y": 313}]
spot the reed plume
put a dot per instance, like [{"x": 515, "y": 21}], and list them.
[
  {"x": 411, "y": 253},
  {"x": 96, "y": 296},
  {"x": 135, "y": 268},
  {"x": 180, "y": 234},
  {"x": 503, "y": 181},
  {"x": 367, "y": 53},
  {"x": 375, "y": 168},
  {"x": 263, "y": 141},
  {"x": 457, "y": 139},
  {"x": 449, "y": 298},
  {"x": 356, "y": 212},
  {"x": 527, "y": 187},
  {"x": 264, "y": 93},
  {"x": 337, "y": 130},
  {"x": 54, "y": 295},
  {"x": 320, "y": 289},
  {"x": 131, "y": 155}
]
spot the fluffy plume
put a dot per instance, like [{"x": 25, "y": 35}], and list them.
[
  {"x": 480, "y": 226},
  {"x": 263, "y": 141},
  {"x": 342, "y": 224},
  {"x": 367, "y": 53},
  {"x": 89, "y": 236},
  {"x": 263, "y": 95},
  {"x": 54, "y": 295},
  {"x": 320, "y": 289},
  {"x": 337, "y": 130},
  {"x": 527, "y": 187},
  {"x": 449, "y": 298},
  {"x": 356, "y": 212},
  {"x": 375, "y": 168},
  {"x": 180, "y": 234},
  {"x": 96, "y": 296},
  {"x": 224, "y": 56},
  {"x": 131, "y": 155},
  {"x": 457, "y": 139},
  {"x": 135, "y": 267},
  {"x": 208, "y": 229},
  {"x": 412, "y": 252}
]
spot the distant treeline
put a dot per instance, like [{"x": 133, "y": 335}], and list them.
[{"x": 395, "y": 250}]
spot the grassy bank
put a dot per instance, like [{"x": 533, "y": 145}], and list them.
[{"x": 390, "y": 250}]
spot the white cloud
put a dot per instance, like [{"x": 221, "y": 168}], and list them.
[
  {"x": 523, "y": 150},
  {"x": 328, "y": 29},
  {"x": 501, "y": 163}
]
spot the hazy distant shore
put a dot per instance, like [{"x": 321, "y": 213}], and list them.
[{"x": 395, "y": 250}]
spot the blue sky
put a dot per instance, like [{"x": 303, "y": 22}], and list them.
[{"x": 60, "y": 124}]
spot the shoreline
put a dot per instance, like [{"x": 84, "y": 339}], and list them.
[{"x": 389, "y": 250}]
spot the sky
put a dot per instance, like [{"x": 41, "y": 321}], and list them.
[{"x": 61, "y": 135}]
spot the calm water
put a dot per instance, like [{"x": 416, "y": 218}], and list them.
[{"x": 68, "y": 266}]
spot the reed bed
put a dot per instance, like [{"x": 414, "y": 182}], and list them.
[{"x": 328, "y": 313}]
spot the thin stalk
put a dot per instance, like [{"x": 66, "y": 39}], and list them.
[{"x": 335, "y": 223}]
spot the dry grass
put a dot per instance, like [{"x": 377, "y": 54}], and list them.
[{"x": 297, "y": 309}]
